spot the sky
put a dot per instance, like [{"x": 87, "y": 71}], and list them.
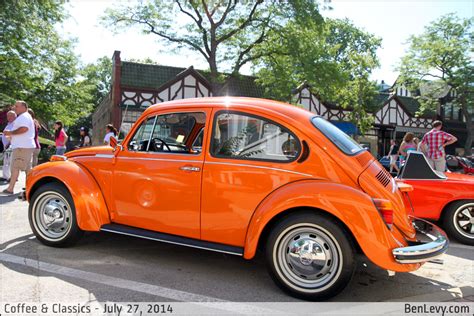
[{"x": 392, "y": 20}]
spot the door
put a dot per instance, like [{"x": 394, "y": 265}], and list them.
[
  {"x": 250, "y": 156},
  {"x": 157, "y": 176}
]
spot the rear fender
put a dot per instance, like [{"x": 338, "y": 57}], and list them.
[
  {"x": 352, "y": 207},
  {"x": 91, "y": 209}
]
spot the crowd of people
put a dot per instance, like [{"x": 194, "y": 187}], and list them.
[
  {"x": 21, "y": 146},
  {"x": 432, "y": 146}
]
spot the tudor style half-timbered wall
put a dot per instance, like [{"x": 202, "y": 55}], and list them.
[
  {"x": 188, "y": 87},
  {"x": 402, "y": 91},
  {"x": 311, "y": 102},
  {"x": 392, "y": 113},
  {"x": 134, "y": 101}
]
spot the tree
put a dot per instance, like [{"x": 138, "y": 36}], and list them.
[
  {"x": 96, "y": 80},
  {"x": 335, "y": 58},
  {"x": 39, "y": 66},
  {"x": 225, "y": 33},
  {"x": 440, "y": 61}
]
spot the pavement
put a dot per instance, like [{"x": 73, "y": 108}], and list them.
[{"x": 106, "y": 267}]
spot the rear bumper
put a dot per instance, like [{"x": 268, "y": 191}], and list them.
[{"x": 431, "y": 243}]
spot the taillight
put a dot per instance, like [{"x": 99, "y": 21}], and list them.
[{"x": 385, "y": 209}]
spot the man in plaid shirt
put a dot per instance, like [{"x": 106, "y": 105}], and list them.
[{"x": 434, "y": 142}]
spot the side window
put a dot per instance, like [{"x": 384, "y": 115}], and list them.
[
  {"x": 242, "y": 136},
  {"x": 169, "y": 133},
  {"x": 141, "y": 139}
]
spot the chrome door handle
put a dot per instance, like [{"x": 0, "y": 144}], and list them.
[{"x": 190, "y": 168}]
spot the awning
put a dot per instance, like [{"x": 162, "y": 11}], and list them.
[{"x": 347, "y": 127}]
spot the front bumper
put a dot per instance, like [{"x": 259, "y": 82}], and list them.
[{"x": 431, "y": 243}]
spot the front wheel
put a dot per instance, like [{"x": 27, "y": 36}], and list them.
[
  {"x": 458, "y": 221},
  {"x": 309, "y": 256},
  {"x": 52, "y": 216}
]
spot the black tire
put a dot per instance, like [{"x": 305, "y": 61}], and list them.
[
  {"x": 457, "y": 221},
  {"x": 298, "y": 274},
  {"x": 52, "y": 216}
]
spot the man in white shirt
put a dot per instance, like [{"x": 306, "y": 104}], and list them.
[
  {"x": 7, "y": 154},
  {"x": 22, "y": 143}
]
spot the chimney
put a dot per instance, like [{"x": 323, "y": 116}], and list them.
[
  {"x": 116, "y": 112},
  {"x": 116, "y": 57}
]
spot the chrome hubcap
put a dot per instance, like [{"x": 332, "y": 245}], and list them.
[
  {"x": 464, "y": 220},
  {"x": 53, "y": 215},
  {"x": 308, "y": 257}
]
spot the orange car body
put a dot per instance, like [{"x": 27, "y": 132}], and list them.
[{"x": 232, "y": 201}]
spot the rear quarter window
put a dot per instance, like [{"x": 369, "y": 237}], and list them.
[{"x": 343, "y": 141}]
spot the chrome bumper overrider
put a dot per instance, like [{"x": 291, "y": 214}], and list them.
[{"x": 431, "y": 243}]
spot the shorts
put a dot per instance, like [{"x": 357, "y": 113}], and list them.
[
  {"x": 393, "y": 159},
  {"x": 21, "y": 158}
]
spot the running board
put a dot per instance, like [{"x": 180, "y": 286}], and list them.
[{"x": 171, "y": 239}]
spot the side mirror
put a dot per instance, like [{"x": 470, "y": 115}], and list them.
[
  {"x": 113, "y": 142},
  {"x": 115, "y": 145}
]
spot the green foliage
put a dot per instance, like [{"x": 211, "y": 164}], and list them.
[
  {"x": 38, "y": 66},
  {"x": 334, "y": 57},
  {"x": 439, "y": 61},
  {"x": 225, "y": 33}
]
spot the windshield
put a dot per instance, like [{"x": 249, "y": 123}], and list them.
[{"x": 338, "y": 137}]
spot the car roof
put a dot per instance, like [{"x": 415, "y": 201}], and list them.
[{"x": 252, "y": 104}]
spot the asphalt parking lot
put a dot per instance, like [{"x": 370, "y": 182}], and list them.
[{"x": 107, "y": 267}]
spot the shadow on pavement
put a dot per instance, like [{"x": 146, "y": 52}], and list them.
[
  {"x": 216, "y": 275},
  {"x": 4, "y": 199}
]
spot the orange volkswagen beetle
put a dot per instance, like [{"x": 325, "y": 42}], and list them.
[{"x": 231, "y": 175}]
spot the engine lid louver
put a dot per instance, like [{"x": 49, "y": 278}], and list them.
[{"x": 383, "y": 178}]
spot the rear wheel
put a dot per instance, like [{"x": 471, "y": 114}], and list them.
[
  {"x": 309, "y": 256},
  {"x": 458, "y": 221},
  {"x": 52, "y": 216}
]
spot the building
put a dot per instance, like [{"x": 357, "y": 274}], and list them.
[{"x": 136, "y": 86}]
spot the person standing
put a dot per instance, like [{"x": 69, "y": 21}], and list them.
[
  {"x": 60, "y": 138},
  {"x": 37, "y": 150},
  {"x": 85, "y": 138},
  {"x": 111, "y": 131},
  {"x": 393, "y": 154},
  {"x": 434, "y": 142},
  {"x": 407, "y": 145},
  {"x": 22, "y": 143},
  {"x": 7, "y": 154}
]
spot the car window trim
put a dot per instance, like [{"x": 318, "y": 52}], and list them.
[
  {"x": 263, "y": 118},
  {"x": 155, "y": 115},
  {"x": 151, "y": 134}
]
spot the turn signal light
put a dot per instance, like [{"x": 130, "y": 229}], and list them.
[
  {"x": 385, "y": 209},
  {"x": 58, "y": 158},
  {"x": 404, "y": 187}
]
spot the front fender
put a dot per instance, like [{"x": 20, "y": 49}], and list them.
[
  {"x": 352, "y": 207},
  {"x": 91, "y": 209}
]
